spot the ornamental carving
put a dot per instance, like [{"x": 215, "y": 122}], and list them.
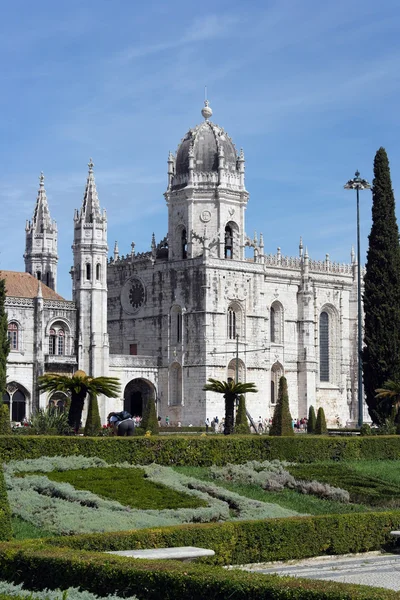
[
  {"x": 205, "y": 216},
  {"x": 133, "y": 295}
]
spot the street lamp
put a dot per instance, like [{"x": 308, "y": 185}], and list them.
[{"x": 359, "y": 184}]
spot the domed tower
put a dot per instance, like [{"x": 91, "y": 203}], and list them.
[{"x": 206, "y": 195}]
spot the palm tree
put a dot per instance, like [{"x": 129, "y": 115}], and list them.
[
  {"x": 78, "y": 386},
  {"x": 389, "y": 395},
  {"x": 230, "y": 391}
]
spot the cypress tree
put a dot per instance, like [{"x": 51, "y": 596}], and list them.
[
  {"x": 4, "y": 343},
  {"x": 312, "y": 420},
  {"x": 241, "y": 423},
  {"x": 282, "y": 420},
  {"x": 381, "y": 354},
  {"x": 149, "y": 421},
  {"x": 320, "y": 425},
  {"x": 93, "y": 421}
]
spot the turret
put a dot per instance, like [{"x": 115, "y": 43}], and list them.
[
  {"x": 90, "y": 286},
  {"x": 41, "y": 242}
]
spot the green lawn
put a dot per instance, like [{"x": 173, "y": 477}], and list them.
[{"x": 127, "y": 486}]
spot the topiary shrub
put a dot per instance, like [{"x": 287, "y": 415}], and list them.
[
  {"x": 312, "y": 420},
  {"x": 93, "y": 421},
  {"x": 241, "y": 423},
  {"x": 150, "y": 421},
  {"x": 5, "y": 425},
  {"x": 320, "y": 425},
  {"x": 282, "y": 419}
]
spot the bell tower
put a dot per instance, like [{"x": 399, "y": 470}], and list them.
[
  {"x": 206, "y": 195},
  {"x": 41, "y": 242},
  {"x": 89, "y": 281}
]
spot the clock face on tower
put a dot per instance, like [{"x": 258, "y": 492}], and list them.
[{"x": 133, "y": 295}]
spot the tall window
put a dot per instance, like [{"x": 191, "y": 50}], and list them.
[
  {"x": 88, "y": 273},
  {"x": 184, "y": 243},
  {"x": 18, "y": 406},
  {"x": 231, "y": 323},
  {"x": 175, "y": 384},
  {"x": 228, "y": 242},
  {"x": 57, "y": 341},
  {"x": 276, "y": 323},
  {"x": 179, "y": 327},
  {"x": 324, "y": 346},
  {"x": 13, "y": 335},
  {"x": 98, "y": 271}
]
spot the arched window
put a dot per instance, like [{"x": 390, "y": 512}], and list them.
[
  {"x": 228, "y": 242},
  {"x": 61, "y": 342},
  {"x": 13, "y": 335},
  {"x": 176, "y": 325},
  {"x": 276, "y": 323},
  {"x": 276, "y": 374},
  {"x": 324, "y": 346},
  {"x": 231, "y": 323},
  {"x": 98, "y": 271},
  {"x": 57, "y": 340},
  {"x": 88, "y": 272},
  {"x": 52, "y": 341},
  {"x": 175, "y": 384},
  {"x": 272, "y": 324},
  {"x": 18, "y": 406},
  {"x": 184, "y": 243},
  {"x": 48, "y": 279},
  {"x": 241, "y": 370},
  {"x": 38, "y": 275},
  {"x": 179, "y": 327}
]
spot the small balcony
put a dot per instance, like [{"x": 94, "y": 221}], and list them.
[{"x": 60, "y": 359}]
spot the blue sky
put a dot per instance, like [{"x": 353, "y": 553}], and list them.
[{"x": 309, "y": 89}]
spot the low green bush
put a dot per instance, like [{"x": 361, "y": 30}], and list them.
[
  {"x": 203, "y": 450},
  {"x": 43, "y": 567},
  {"x": 320, "y": 424},
  {"x": 5, "y": 514}
]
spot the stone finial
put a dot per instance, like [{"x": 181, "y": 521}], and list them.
[
  {"x": 133, "y": 248},
  {"x": 153, "y": 241},
  {"x": 352, "y": 255},
  {"x": 207, "y": 110},
  {"x": 90, "y": 165},
  {"x": 41, "y": 179},
  {"x": 116, "y": 251},
  {"x": 301, "y": 247}
]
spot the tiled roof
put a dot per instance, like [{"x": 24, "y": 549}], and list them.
[{"x": 24, "y": 285}]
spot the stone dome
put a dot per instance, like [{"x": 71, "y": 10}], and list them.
[{"x": 205, "y": 140}]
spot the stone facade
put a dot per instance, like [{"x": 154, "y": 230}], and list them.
[{"x": 195, "y": 306}]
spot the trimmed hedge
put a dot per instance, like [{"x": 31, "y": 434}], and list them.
[
  {"x": 5, "y": 513},
  {"x": 152, "y": 580},
  {"x": 241, "y": 542},
  {"x": 203, "y": 451}
]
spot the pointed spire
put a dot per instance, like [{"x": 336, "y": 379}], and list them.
[
  {"x": 116, "y": 251},
  {"x": 90, "y": 206},
  {"x": 41, "y": 220},
  {"x": 153, "y": 241},
  {"x": 133, "y": 248}
]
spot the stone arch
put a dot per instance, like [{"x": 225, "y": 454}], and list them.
[
  {"x": 231, "y": 370},
  {"x": 234, "y": 320},
  {"x": 276, "y": 374},
  {"x": 231, "y": 240},
  {"x": 18, "y": 398},
  {"x": 59, "y": 401},
  {"x": 137, "y": 394}
]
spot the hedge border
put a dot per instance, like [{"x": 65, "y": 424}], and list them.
[
  {"x": 102, "y": 575},
  {"x": 243, "y": 542},
  {"x": 203, "y": 451}
]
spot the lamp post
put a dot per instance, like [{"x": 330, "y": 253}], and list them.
[{"x": 359, "y": 184}]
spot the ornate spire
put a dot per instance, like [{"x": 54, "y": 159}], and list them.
[
  {"x": 116, "y": 251},
  {"x": 207, "y": 110},
  {"x": 41, "y": 220},
  {"x": 90, "y": 206}
]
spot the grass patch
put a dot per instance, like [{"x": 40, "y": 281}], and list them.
[
  {"x": 22, "y": 530},
  {"x": 128, "y": 487},
  {"x": 388, "y": 470},
  {"x": 363, "y": 488},
  {"x": 305, "y": 504}
]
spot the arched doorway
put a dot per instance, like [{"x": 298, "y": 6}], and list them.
[
  {"x": 18, "y": 406},
  {"x": 136, "y": 396}
]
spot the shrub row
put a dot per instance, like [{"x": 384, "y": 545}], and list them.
[
  {"x": 5, "y": 514},
  {"x": 151, "y": 580},
  {"x": 241, "y": 542},
  {"x": 203, "y": 451}
]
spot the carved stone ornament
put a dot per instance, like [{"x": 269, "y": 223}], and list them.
[
  {"x": 231, "y": 211},
  {"x": 133, "y": 295},
  {"x": 205, "y": 216},
  {"x": 12, "y": 387}
]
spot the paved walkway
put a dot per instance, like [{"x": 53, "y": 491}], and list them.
[{"x": 372, "y": 568}]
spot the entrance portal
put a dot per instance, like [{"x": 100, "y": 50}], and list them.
[{"x": 136, "y": 396}]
